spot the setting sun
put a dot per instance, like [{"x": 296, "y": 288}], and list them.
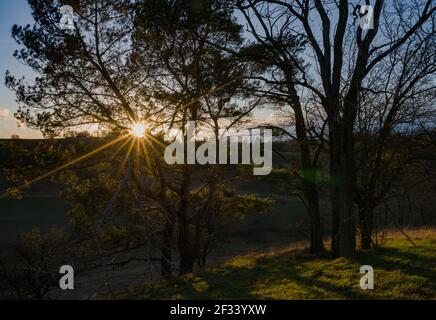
[{"x": 138, "y": 130}]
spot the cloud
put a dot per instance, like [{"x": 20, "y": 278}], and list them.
[{"x": 4, "y": 113}]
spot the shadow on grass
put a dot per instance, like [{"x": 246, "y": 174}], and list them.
[
  {"x": 296, "y": 275},
  {"x": 399, "y": 259},
  {"x": 253, "y": 281}
]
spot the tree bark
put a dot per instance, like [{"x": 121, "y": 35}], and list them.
[
  {"x": 316, "y": 231},
  {"x": 342, "y": 190},
  {"x": 309, "y": 176},
  {"x": 366, "y": 215},
  {"x": 166, "y": 258},
  {"x": 187, "y": 258}
]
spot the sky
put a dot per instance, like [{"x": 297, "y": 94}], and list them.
[{"x": 12, "y": 12}]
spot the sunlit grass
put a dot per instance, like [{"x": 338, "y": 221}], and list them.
[{"x": 401, "y": 270}]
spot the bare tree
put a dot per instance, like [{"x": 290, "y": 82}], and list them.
[
  {"x": 276, "y": 51},
  {"x": 397, "y": 102},
  {"x": 325, "y": 25}
]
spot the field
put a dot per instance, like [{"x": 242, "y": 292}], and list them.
[{"x": 401, "y": 271}]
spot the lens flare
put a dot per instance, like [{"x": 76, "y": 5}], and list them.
[{"x": 138, "y": 130}]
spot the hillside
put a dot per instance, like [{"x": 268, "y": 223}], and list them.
[{"x": 401, "y": 271}]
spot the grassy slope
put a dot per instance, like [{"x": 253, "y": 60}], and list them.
[{"x": 401, "y": 272}]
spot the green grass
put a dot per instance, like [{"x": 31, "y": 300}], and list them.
[{"x": 401, "y": 271}]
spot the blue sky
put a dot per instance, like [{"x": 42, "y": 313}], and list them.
[{"x": 11, "y": 12}]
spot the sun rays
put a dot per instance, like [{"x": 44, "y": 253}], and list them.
[
  {"x": 134, "y": 139},
  {"x": 137, "y": 141},
  {"x": 73, "y": 162}
]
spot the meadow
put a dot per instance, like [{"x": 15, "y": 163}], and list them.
[{"x": 401, "y": 271}]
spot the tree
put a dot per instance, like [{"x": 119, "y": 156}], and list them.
[
  {"x": 125, "y": 63},
  {"x": 276, "y": 53},
  {"x": 396, "y": 104},
  {"x": 85, "y": 76},
  {"x": 339, "y": 83},
  {"x": 195, "y": 82}
]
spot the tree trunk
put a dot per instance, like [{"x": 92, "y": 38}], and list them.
[
  {"x": 366, "y": 215},
  {"x": 316, "y": 243},
  {"x": 166, "y": 258},
  {"x": 187, "y": 258},
  {"x": 309, "y": 176},
  {"x": 186, "y": 264},
  {"x": 342, "y": 193}
]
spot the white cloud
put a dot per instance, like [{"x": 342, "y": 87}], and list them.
[
  {"x": 8, "y": 126},
  {"x": 4, "y": 113}
]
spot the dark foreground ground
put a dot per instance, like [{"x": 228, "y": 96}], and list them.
[
  {"x": 264, "y": 257},
  {"x": 259, "y": 232}
]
